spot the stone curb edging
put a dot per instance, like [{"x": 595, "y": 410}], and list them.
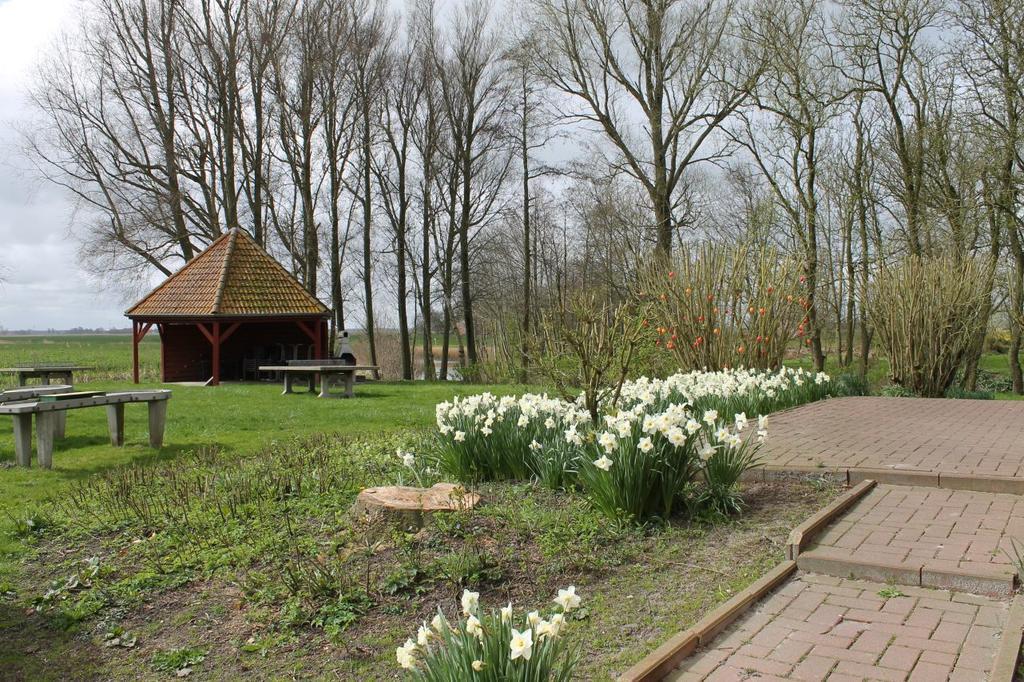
[
  {"x": 802, "y": 534},
  {"x": 668, "y": 656},
  {"x": 1008, "y": 654},
  {"x": 1010, "y": 485}
]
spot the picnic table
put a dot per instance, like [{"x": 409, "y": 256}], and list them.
[
  {"x": 45, "y": 372},
  {"x": 327, "y": 370},
  {"x": 50, "y": 410}
]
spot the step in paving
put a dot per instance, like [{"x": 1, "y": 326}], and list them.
[
  {"x": 817, "y": 627},
  {"x": 925, "y": 536}
]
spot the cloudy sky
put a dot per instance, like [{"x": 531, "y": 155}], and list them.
[{"x": 42, "y": 287}]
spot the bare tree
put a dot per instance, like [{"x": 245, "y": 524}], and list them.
[
  {"x": 786, "y": 129},
  {"x": 891, "y": 39},
  {"x": 993, "y": 63},
  {"x": 676, "y": 65},
  {"x": 474, "y": 89}
]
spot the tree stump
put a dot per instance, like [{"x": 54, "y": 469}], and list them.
[{"x": 408, "y": 506}]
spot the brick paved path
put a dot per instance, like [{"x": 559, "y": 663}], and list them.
[
  {"x": 937, "y": 528},
  {"x": 983, "y": 437},
  {"x": 819, "y": 627}
]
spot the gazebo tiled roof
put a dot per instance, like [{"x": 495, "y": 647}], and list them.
[{"x": 233, "y": 277}]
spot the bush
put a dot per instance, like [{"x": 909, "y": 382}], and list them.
[
  {"x": 588, "y": 346},
  {"x": 491, "y": 646},
  {"x": 926, "y": 312},
  {"x": 726, "y": 306}
]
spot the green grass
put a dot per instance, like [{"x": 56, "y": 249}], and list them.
[
  {"x": 878, "y": 369},
  {"x": 236, "y": 418},
  {"x": 109, "y": 354}
]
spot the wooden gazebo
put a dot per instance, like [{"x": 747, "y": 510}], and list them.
[{"x": 230, "y": 309}]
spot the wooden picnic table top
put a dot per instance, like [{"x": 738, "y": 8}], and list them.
[
  {"x": 88, "y": 401},
  {"x": 318, "y": 369}
]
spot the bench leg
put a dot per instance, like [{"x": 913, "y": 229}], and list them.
[
  {"x": 325, "y": 385},
  {"x": 350, "y": 383},
  {"x": 22, "y": 379},
  {"x": 287, "y": 383},
  {"x": 312, "y": 383},
  {"x": 115, "y": 422},
  {"x": 45, "y": 426},
  {"x": 23, "y": 439},
  {"x": 44, "y": 379},
  {"x": 60, "y": 424},
  {"x": 157, "y": 421}
]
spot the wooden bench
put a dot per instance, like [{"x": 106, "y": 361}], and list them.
[
  {"x": 327, "y": 370},
  {"x": 45, "y": 372},
  {"x": 50, "y": 411}
]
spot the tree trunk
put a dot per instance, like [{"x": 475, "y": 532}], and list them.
[{"x": 367, "y": 238}]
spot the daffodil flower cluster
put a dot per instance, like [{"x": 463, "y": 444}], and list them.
[
  {"x": 644, "y": 456},
  {"x": 496, "y": 642}
]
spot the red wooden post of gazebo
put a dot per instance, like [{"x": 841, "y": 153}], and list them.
[{"x": 228, "y": 305}]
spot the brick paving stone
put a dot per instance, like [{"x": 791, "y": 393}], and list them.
[
  {"x": 923, "y": 635},
  {"x": 943, "y": 542},
  {"x": 978, "y": 437}
]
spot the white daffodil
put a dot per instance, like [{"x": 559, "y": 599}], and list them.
[
  {"x": 543, "y": 629},
  {"x": 408, "y": 458},
  {"x": 741, "y": 421},
  {"x": 710, "y": 417},
  {"x": 568, "y": 599},
  {"x": 549, "y": 423},
  {"x": 533, "y": 617},
  {"x": 734, "y": 440},
  {"x": 645, "y": 444},
  {"x": 506, "y": 613},
  {"x": 707, "y": 452},
  {"x": 438, "y": 623},
  {"x": 650, "y": 424},
  {"x": 607, "y": 441},
  {"x": 722, "y": 434},
  {"x": 603, "y": 463},
  {"x": 534, "y": 445},
  {"x": 406, "y": 655},
  {"x": 423, "y": 635},
  {"x": 676, "y": 436},
  {"x": 521, "y": 645},
  {"x": 486, "y": 431},
  {"x": 557, "y": 623},
  {"x": 762, "y": 422},
  {"x": 474, "y": 627},
  {"x": 470, "y": 602},
  {"x": 478, "y": 665},
  {"x": 522, "y": 421},
  {"x": 459, "y": 436},
  {"x": 692, "y": 426}
]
